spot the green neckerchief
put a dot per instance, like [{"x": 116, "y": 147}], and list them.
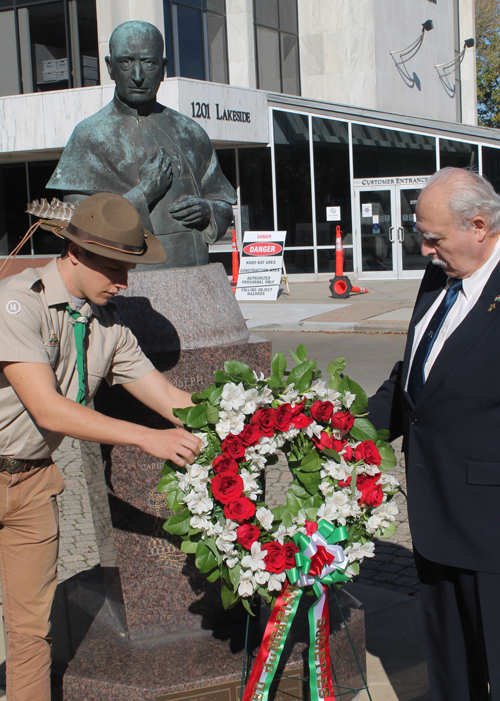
[{"x": 80, "y": 328}]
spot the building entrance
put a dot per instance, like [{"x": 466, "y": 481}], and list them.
[{"x": 388, "y": 244}]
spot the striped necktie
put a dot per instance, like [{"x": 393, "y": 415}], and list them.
[
  {"x": 80, "y": 328},
  {"x": 416, "y": 379}
]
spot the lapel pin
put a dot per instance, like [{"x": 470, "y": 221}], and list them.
[{"x": 493, "y": 305}]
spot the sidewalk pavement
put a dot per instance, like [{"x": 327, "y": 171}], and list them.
[{"x": 386, "y": 308}]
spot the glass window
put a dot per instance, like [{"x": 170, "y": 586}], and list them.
[
  {"x": 39, "y": 172},
  {"x": 277, "y": 46},
  {"x": 195, "y": 38},
  {"x": 88, "y": 43},
  {"x": 384, "y": 152},
  {"x": 331, "y": 179},
  {"x": 256, "y": 189},
  {"x": 227, "y": 162},
  {"x": 14, "y": 222},
  {"x": 457, "y": 154},
  {"x": 491, "y": 165},
  {"x": 10, "y": 74},
  {"x": 293, "y": 178}
]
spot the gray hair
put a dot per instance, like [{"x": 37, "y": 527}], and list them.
[{"x": 469, "y": 195}]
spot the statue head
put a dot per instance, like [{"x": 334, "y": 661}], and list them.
[{"x": 136, "y": 62}]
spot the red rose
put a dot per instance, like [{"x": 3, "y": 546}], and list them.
[
  {"x": 371, "y": 492},
  {"x": 327, "y": 441},
  {"x": 290, "y": 549},
  {"x": 343, "y": 420},
  {"x": 348, "y": 453},
  {"x": 345, "y": 483},
  {"x": 247, "y": 534},
  {"x": 283, "y": 417},
  {"x": 233, "y": 447},
  {"x": 264, "y": 419},
  {"x": 227, "y": 488},
  {"x": 367, "y": 451},
  {"x": 301, "y": 421},
  {"x": 240, "y": 510},
  {"x": 321, "y": 411},
  {"x": 298, "y": 408},
  {"x": 222, "y": 465},
  {"x": 275, "y": 559},
  {"x": 250, "y": 434}
]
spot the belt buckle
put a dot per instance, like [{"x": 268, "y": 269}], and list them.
[{"x": 14, "y": 466}]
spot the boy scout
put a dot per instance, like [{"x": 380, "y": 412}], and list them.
[{"x": 59, "y": 339}]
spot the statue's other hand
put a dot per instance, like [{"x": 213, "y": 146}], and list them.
[
  {"x": 156, "y": 176},
  {"x": 191, "y": 211}
]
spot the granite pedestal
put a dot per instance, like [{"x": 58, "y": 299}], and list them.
[{"x": 147, "y": 625}]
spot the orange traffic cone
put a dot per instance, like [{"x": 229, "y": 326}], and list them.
[
  {"x": 341, "y": 287},
  {"x": 236, "y": 264}
]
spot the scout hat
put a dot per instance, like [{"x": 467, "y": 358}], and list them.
[{"x": 106, "y": 224}]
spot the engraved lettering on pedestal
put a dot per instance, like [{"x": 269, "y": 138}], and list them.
[{"x": 168, "y": 556}]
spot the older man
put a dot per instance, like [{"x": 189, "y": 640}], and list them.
[
  {"x": 444, "y": 397},
  {"x": 61, "y": 336},
  {"x": 159, "y": 159}
]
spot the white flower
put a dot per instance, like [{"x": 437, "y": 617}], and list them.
[
  {"x": 250, "y": 406},
  {"x": 319, "y": 387},
  {"x": 258, "y": 376},
  {"x": 291, "y": 433},
  {"x": 203, "y": 438},
  {"x": 359, "y": 552},
  {"x": 231, "y": 561},
  {"x": 229, "y": 530},
  {"x": 349, "y": 398},
  {"x": 199, "y": 522},
  {"x": 280, "y": 534},
  {"x": 230, "y": 422},
  {"x": 266, "y": 445},
  {"x": 266, "y": 396},
  {"x": 232, "y": 397},
  {"x": 250, "y": 485},
  {"x": 255, "y": 561},
  {"x": 224, "y": 545},
  {"x": 258, "y": 462},
  {"x": 289, "y": 395},
  {"x": 313, "y": 429},
  {"x": 262, "y": 577},
  {"x": 276, "y": 581},
  {"x": 198, "y": 502},
  {"x": 183, "y": 481},
  {"x": 388, "y": 482},
  {"x": 334, "y": 397},
  {"x": 265, "y": 518},
  {"x": 247, "y": 583},
  {"x": 325, "y": 487}
]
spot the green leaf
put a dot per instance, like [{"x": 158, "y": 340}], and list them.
[
  {"x": 313, "y": 502},
  {"x": 387, "y": 532},
  {"x": 294, "y": 356},
  {"x": 311, "y": 462},
  {"x": 205, "y": 559},
  {"x": 220, "y": 376},
  {"x": 383, "y": 435},
  {"x": 278, "y": 365},
  {"x": 247, "y": 605},
  {"x": 330, "y": 453},
  {"x": 360, "y": 404},
  {"x": 197, "y": 416},
  {"x": 355, "y": 567},
  {"x": 234, "y": 575},
  {"x": 311, "y": 514},
  {"x": 336, "y": 367},
  {"x": 274, "y": 381},
  {"x": 168, "y": 483},
  {"x": 302, "y": 352},
  {"x": 389, "y": 459},
  {"x": 174, "y": 500},
  {"x": 187, "y": 546},
  {"x": 212, "y": 414},
  {"x": 235, "y": 367},
  {"x": 181, "y": 413},
  {"x": 229, "y": 597},
  {"x": 310, "y": 480},
  {"x": 296, "y": 497},
  {"x": 363, "y": 430},
  {"x": 169, "y": 468},
  {"x": 178, "y": 524},
  {"x": 301, "y": 375},
  {"x": 210, "y": 543},
  {"x": 214, "y": 575},
  {"x": 214, "y": 398},
  {"x": 282, "y": 513}
]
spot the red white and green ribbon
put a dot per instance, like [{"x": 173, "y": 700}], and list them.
[{"x": 320, "y": 562}]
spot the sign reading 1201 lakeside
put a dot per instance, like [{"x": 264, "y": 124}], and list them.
[{"x": 260, "y": 265}]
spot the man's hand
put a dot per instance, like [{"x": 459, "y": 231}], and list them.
[
  {"x": 191, "y": 211},
  {"x": 174, "y": 444},
  {"x": 156, "y": 176}
]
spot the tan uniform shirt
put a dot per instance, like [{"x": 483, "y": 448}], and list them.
[{"x": 35, "y": 328}]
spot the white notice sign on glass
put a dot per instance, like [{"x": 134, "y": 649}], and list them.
[
  {"x": 333, "y": 214},
  {"x": 366, "y": 210}
]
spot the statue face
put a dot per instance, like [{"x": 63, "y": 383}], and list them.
[{"x": 137, "y": 66}]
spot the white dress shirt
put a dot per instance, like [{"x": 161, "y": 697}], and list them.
[{"x": 467, "y": 298}]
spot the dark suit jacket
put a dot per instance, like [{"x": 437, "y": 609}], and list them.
[{"x": 452, "y": 435}]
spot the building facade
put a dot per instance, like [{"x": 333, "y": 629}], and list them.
[{"x": 316, "y": 123}]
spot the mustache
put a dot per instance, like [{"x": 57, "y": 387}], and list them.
[{"x": 438, "y": 261}]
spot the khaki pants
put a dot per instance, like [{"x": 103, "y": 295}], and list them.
[{"x": 29, "y": 545}]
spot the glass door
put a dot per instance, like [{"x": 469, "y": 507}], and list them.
[
  {"x": 378, "y": 231},
  {"x": 410, "y": 261}
]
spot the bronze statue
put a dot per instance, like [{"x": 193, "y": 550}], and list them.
[{"x": 159, "y": 159}]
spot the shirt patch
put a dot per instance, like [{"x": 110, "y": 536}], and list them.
[
  {"x": 13, "y": 307},
  {"x": 53, "y": 340}
]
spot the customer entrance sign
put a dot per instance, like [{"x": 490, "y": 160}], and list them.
[{"x": 260, "y": 265}]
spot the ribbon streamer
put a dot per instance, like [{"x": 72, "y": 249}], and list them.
[{"x": 319, "y": 563}]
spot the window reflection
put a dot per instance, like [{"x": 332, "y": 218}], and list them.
[
  {"x": 491, "y": 166},
  {"x": 277, "y": 46},
  {"x": 457, "y": 154},
  {"x": 256, "y": 189}
]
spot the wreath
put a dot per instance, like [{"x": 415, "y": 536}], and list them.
[{"x": 339, "y": 500}]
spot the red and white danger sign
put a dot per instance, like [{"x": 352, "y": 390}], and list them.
[{"x": 261, "y": 265}]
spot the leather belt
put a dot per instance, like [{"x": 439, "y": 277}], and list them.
[{"x": 13, "y": 465}]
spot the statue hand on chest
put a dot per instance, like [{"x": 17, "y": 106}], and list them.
[{"x": 156, "y": 176}]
